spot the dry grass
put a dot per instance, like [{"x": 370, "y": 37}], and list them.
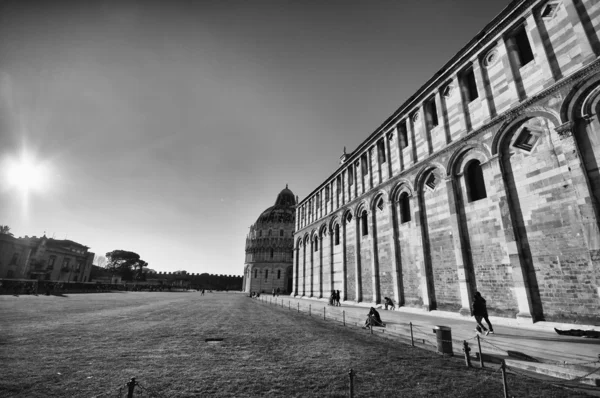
[{"x": 88, "y": 345}]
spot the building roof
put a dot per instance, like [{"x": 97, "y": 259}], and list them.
[{"x": 283, "y": 211}]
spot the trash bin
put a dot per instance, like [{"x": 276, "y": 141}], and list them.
[{"x": 444, "y": 340}]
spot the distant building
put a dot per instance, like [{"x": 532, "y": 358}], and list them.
[
  {"x": 485, "y": 179},
  {"x": 269, "y": 247},
  {"x": 44, "y": 259}
]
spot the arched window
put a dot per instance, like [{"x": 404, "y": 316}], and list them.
[
  {"x": 281, "y": 232},
  {"x": 380, "y": 204},
  {"x": 278, "y": 274},
  {"x": 271, "y": 253},
  {"x": 364, "y": 222},
  {"x": 266, "y": 274},
  {"x": 256, "y": 273},
  {"x": 316, "y": 244},
  {"x": 260, "y": 233},
  {"x": 327, "y": 193},
  {"x": 474, "y": 181},
  {"x": 337, "y": 234},
  {"x": 404, "y": 203}
]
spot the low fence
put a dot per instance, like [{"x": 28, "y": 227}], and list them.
[
  {"x": 416, "y": 335},
  {"x": 34, "y": 287}
]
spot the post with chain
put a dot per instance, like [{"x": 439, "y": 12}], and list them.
[
  {"x": 412, "y": 339},
  {"x": 309, "y": 310},
  {"x": 289, "y": 305},
  {"x": 480, "y": 356},
  {"x": 344, "y": 317},
  {"x": 323, "y": 313},
  {"x": 503, "y": 368},
  {"x": 370, "y": 324},
  {"x": 351, "y": 374},
  {"x": 466, "y": 349},
  {"x": 130, "y": 387},
  {"x": 298, "y": 306}
]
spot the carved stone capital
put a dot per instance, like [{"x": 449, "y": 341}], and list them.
[{"x": 565, "y": 130}]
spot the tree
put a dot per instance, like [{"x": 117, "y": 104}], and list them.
[
  {"x": 5, "y": 230},
  {"x": 99, "y": 260},
  {"x": 125, "y": 263}
]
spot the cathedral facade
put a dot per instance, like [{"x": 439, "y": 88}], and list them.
[
  {"x": 269, "y": 248},
  {"x": 486, "y": 179}
]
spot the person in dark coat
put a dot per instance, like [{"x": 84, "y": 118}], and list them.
[
  {"x": 389, "y": 303},
  {"x": 373, "y": 319},
  {"x": 479, "y": 311}
]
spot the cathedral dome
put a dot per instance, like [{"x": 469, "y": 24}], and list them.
[{"x": 283, "y": 211}]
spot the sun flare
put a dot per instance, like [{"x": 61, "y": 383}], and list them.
[{"x": 26, "y": 174}]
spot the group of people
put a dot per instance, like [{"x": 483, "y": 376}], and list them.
[
  {"x": 334, "y": 298},
  {"x": 276, "y": 292},
  {"x": 255, "y": 295}
]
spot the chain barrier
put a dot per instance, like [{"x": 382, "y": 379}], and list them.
[
  {"x": 473, "y": 387},
  {"x": 426, "y": 341},
  {"x": 149, "y": 391},
  {"x": 571, "y": 387}
]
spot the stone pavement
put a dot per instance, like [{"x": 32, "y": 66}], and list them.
[{"x": 573, "y": 356}]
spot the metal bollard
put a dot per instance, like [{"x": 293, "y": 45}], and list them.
[
  {"x": 298, "y": 307},
  {"x": 309, "y": 310},
  {"x": 131, "y": 387},
  {"x": 344, "y": 317},
  {"x": 466, "y": 350},
  {"x": 412, "y": 340},
  {"x": 503, "y": 368},
  {"x": 323, "y": 313},
  {"x": 351, "y": 374},
  {"x": 480, "y": 356}
]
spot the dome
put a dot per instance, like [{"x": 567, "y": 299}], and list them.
[
  {"x": 283, "y": 211},
  {"x": 285, "y": 198}
]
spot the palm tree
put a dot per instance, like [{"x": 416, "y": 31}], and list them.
[{"x": 5, "y": 229}]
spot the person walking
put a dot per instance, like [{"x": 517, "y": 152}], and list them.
[{"x": 479, "y": 311}]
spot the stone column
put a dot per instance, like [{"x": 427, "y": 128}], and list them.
[
  {"x": 374, "y": 256},
  {"x": 542, "y": 47},
  {"x": 461, "y": 246},
  {"x": 587, "y": 39},
  {"x": 321, "y": 264},
  {"x": 357, "y": 259},
  {"x": 500, "y": 195},
  {"x": 412, "y": 136},
  {"x": 421, "y": 236},
  {"x": 389, "y": 136},
  {"x": 395, "y": 251},
  {"x": 370, "y": 160},
  {"x": 312, "y": 267},
  {"x": 440, "y": 104},
  {"x": 303, "y": 268},
  {"x": 344, "y": 258},
  {"x": 426, "y": 127},
  {"x": 295, "y": 276},
  {"x": 487, "y": 107},
  {"x": 331, "y": 247}
]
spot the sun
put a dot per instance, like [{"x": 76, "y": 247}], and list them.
[{"x": 26, "y": 174}]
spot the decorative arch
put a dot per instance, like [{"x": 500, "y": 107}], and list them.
[
  {"x": 425, "y": 170},
  {"x": 508, "y": 127},
  {"x": 471, "y": 150},
  {"x": 403, "y": 185},
  {"x": 381, "y": 194},
  {"x": 576, "y": 102}
]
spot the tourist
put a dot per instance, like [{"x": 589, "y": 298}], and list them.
[
  {"x": 479, "y": 311},
  {"x": 389, "y": 303},
  {"x": 273, "y": 292},
  {"x": 337, "y": 298},
  {"x": 373, "y": 319},
  {"x": 277, "y": 292}
]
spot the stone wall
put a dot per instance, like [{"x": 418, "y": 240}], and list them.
[{"x": 486, "y": 179}]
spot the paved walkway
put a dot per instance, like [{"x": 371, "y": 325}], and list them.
[{"x": 537, "y": 340}]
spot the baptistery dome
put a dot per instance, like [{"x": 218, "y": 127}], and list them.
[{"x": 269, "y": 247}]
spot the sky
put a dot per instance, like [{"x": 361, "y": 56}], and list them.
[{"x": 167, "y": 127}]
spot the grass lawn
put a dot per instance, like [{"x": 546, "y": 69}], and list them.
[{"x": 89, "y": 345}]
